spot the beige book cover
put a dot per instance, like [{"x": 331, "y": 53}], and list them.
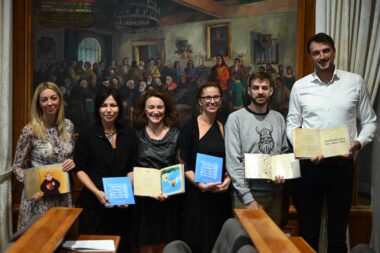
[
  {"x": 48, "y": 180},
  {"x": 262, "y": 166},
  {"x": 328, "y": 142},
  {"x": 153, "y": 182}
]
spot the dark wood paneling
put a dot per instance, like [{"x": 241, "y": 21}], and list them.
[
  {"x": 22, "y": 52},
  {"x": 305, "y": 29},
  {"x": 360, "y": 225}
]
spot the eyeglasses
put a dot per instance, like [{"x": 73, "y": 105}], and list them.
[{"x": 208, "y": 99}]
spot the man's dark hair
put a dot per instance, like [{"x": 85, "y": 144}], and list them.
[
  {"x": 261, "y": 76},
  {"x": 320, "y": 38}
]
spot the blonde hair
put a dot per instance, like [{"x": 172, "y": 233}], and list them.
[{"x": 36, "y": 114}]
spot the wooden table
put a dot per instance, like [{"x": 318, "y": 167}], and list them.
[
  {"x": 47, "y": 233},
  {"x": 266, "y": 235}
]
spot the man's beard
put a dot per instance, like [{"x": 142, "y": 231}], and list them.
[{"x": 265, "y": 103}]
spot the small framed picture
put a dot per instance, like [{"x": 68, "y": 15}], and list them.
[{"x": 219, "y": 40}]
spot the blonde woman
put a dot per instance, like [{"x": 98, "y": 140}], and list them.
[{"x": 46, "y": 139}]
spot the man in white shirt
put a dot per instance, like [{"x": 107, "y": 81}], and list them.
[{"x": 324, "y": 99}]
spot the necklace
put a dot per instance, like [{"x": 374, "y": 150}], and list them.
[{"x": 109, "y": 136}]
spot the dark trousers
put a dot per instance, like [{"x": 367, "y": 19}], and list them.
[
  {"x": 332, "y": 180},
  {"x": 289, "y": 196}
]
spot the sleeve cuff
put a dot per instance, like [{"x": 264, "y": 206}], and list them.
[
  {"x": 363, "y": 143},
  {"x": 247, "y": 198}
]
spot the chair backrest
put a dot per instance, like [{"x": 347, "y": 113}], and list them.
[
  {"x": 362, "y": 248},
  {"x": 248, "y": 248},
  {"x": 231, "y": 238},
  {"x": 177, "y": 247}
]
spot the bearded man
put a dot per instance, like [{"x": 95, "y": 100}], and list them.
[{"x": 256, "y": 129}]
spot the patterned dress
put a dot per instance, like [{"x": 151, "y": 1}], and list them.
[{"x": 32, "y": 152}]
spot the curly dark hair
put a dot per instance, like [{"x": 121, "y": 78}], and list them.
[{"x": 139, "y": 117}]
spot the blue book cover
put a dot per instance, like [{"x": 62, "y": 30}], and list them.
[
  {"x": 208, "y": 169},
  {"x": 118, "y": 190}
]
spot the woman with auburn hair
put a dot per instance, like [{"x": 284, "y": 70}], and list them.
[
  {"x": 157, "y": 218},
  {"x": 46, "y": 139},
  {"x": 207, "y": 205}
]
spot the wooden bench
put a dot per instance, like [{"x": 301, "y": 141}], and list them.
[
  {"x": 267, "y": 236},
  {"x": 47, "y": 233}
]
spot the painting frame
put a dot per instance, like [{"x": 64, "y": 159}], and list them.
[{"x": 224, "y": 40}]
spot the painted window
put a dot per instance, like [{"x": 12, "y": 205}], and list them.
[{"x": 89, "y": 50}]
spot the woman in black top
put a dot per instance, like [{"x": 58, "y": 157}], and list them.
[
  {"x": 105, "y": 149},
  {"x": 207, "y": 206},
  {"x": 157, "y": 218}
]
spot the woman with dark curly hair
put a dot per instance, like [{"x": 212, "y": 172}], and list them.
[{"x": 157, "y": 217}]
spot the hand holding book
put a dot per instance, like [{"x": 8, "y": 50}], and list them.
[
  {"x": 222, "y": 187},
  {"x": 68, "y": 165},
  {"x": 279, "y": 179},
  {"x": 36, "y": 196},
  {"x": 101, "y": 196},
  {"x": 161, "y": 197},
  {"x": 207, "y": 187}
]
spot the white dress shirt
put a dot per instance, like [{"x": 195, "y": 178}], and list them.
[{"x": 340, "y": 102}]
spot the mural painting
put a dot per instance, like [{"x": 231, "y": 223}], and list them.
[{"x": 84, "y": 45}]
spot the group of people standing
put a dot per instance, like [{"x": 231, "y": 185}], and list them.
[{"x": 109, "y": 148}]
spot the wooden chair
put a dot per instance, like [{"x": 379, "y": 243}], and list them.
[
  {"x": 232, "y": 238},
  {"x": 177, "y": 247}
]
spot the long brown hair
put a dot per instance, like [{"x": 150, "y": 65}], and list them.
[
  {"x": 36, "y": 114},
  {"x": 139, "y": 117}
]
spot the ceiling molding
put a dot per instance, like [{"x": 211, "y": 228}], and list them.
[{"x": 262, "y": 8}]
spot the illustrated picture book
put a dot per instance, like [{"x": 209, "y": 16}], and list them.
[
  {"x": 48, "y": 180},
  {"x": 154, "y": 182}
]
